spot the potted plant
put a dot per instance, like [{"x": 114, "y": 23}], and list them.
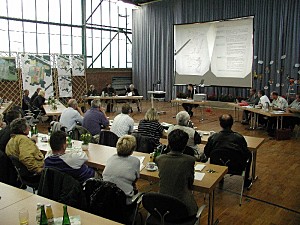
[{"x": 86, "y": 139}]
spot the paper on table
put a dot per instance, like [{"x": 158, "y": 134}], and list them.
[
  {"x": 199, "y": 176},
  {"x": 199, "y": 167}
]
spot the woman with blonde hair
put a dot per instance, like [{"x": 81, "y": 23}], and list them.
[
  {"x": 123, "y": 169},
  {"x": 39, "y": 101},
  {"x": 150, "y": 126}
]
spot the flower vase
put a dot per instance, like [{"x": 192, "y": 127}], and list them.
[{"x": 85, "y": 147}]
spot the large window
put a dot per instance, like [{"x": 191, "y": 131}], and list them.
[{"x": 55, "y": 26}]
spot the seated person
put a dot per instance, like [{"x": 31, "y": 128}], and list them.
[
  {"x": 228, "y": 140},
  {"x": 253, "y": 99},
  {"x": 91, "y": 92},
  {"x": 150, "y": 127},
  {"x": 71, "y": 115},
  {"x": 123, "y": 123},
  {"x": 23, "y": 147},
  {"x": 35, "y": 94},
  {"x": 176, "y": 171},
  {"x": 72, "y": 163},
  {"x": 189, "y": 95},
  {"x": 122, "y": 168},
  {"x": 184, "y": 123},
  {"x": 278, "y": 103},
  {"x": 109, "y": 91},
  {"x": 132, "y": 91},
  {"x": 39, "y": 101},
  {"x": 294, "y": 107},
  {"x": 263, "y": 103},
  {"x": 26, "y": 100},
  {"x": 95, "y": 118},
  {"x": 5, "y": 132}
]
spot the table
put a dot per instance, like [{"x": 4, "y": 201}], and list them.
[
  {"x": 24, "y": 199},
  {"x": 115, "y": 98},
  {"x": 5, "y": 106},
  {"x": 178, "y": 101},
  {"x": 256, "y": 111},
  {"x": 253, "y": 143},
  {"x": 54, "y": 112},
  {"x": 99, "y": 154}
]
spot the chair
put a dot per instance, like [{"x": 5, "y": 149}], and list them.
[
  {"x": 167, "y": 210},
  {"x": 61, "y": 187},
  {"x": 8, "y": 174},
  {"x": 108, "y": 138},
  {"x": 107, "y": 200},
  {"x": 77, "y": 131},
  {"x": 24, "y": 175},
  {"x": 235, "y": 163},
  {"x": 143, "y": 143},
  {"x": 57, "y": 126}
]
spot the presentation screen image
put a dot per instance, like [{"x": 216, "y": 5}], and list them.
[{"x": 219, "y": 52}]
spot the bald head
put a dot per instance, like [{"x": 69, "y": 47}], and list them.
[{"x": 226, "y": 121}]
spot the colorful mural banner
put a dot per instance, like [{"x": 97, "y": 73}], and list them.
[{"x": 8, "y": 69}]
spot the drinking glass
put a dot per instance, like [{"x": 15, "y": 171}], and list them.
[{"x": 23, "y": 216}]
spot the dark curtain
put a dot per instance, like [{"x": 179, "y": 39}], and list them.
[{"x": 276, "y": 41}]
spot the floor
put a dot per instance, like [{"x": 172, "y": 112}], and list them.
[{"x": 274, "y": 198}]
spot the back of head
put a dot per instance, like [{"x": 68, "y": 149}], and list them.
[
  {"x": 72, "y": 103},
  {"x": 11, "y": 115},
  {"x": 126, "y": 108},
  {"x": 126, "y": 145},
  {"x": 58, "y": 140},
  {"x": 182, "y": 118},
  {"x": 226, "y": 121},
  {"x": 96, "y": 103},
  {"x": 18, "y": 126},
  {"x": 177, "y": 140},
  {"x": 151, "y": 115},
  {"x": 42, "y": 93}
]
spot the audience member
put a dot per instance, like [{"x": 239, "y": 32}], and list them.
[
  {"x": 123, "y": 123},
  {"x": 26, "y": 100},
  {"x": 132, "y": 91},
  {"x": 176, "y": 171},
  {"x": 294, "y": 107},
  {"x": 150, "y": 126},
  {"x": 228, "y": 140},
  {"x": 39, "y": 101},
  {"x": 184, "y": 123},
  {"x": 35, "y": 94},
  {"x": 5, "y": 132},
  {"x": 122, "y": 168},
  {"x": 95, "y": 118},
  {"x": 253, "y": 99},
  {"x": 109, "y": 91},
  {"x": 72, "y": 162},
  {"x": 189, "y": 95},
  {"x": 23, "y": 147},
  {"x": 91, "y": 92},
  {"x": 71, "y": 115}
]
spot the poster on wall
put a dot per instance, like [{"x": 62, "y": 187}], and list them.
[
  {"x": 65, "y": 86},
  {"x": 36, "y": 72},
  {"x": 63, "y": 65},
  {"x": 77, "y": 65},
  {"x": 8, "y": 69}
]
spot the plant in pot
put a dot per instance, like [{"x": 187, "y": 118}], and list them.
[{"x": 86, "y": 139}]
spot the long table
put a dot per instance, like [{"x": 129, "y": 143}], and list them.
[
  {"x": 114, "y": 99},
  {"x": 14, "y": 199},
  {"x": 99, "y": 154},
  {"x": 257, "y": 111},
  {"x": 54, "y": 112},
  {"x": 5, "y": 107},
  {"x": 179, "y": 101}
]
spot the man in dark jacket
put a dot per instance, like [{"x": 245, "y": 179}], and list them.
[
  {"x": 132, "y": 91},
  {"x": 34, "y": 95},
  {"x": 253, "y": 99},
  {"x": 228, "y": 140},
  {"x": 189, "y": 95}
]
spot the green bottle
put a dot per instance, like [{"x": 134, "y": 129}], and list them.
[
  {"x": 43, "y": 219},
  {"x": 66, "y": 219}
]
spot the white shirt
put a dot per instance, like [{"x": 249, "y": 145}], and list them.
[
  {"x": 122, "y": 125},
  {"x": 69, "y": 117},
  {"x": 263, "y": 100},
  {"x": 280, "y": 103}
]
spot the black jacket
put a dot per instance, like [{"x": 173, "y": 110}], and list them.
[
  {"x": 39, "y": 101},
  {"x": 4, "y": 137},
  {"x": 135, "y": 91}
]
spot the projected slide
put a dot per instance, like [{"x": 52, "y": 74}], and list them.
[{"x": 219, "y": 52}]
